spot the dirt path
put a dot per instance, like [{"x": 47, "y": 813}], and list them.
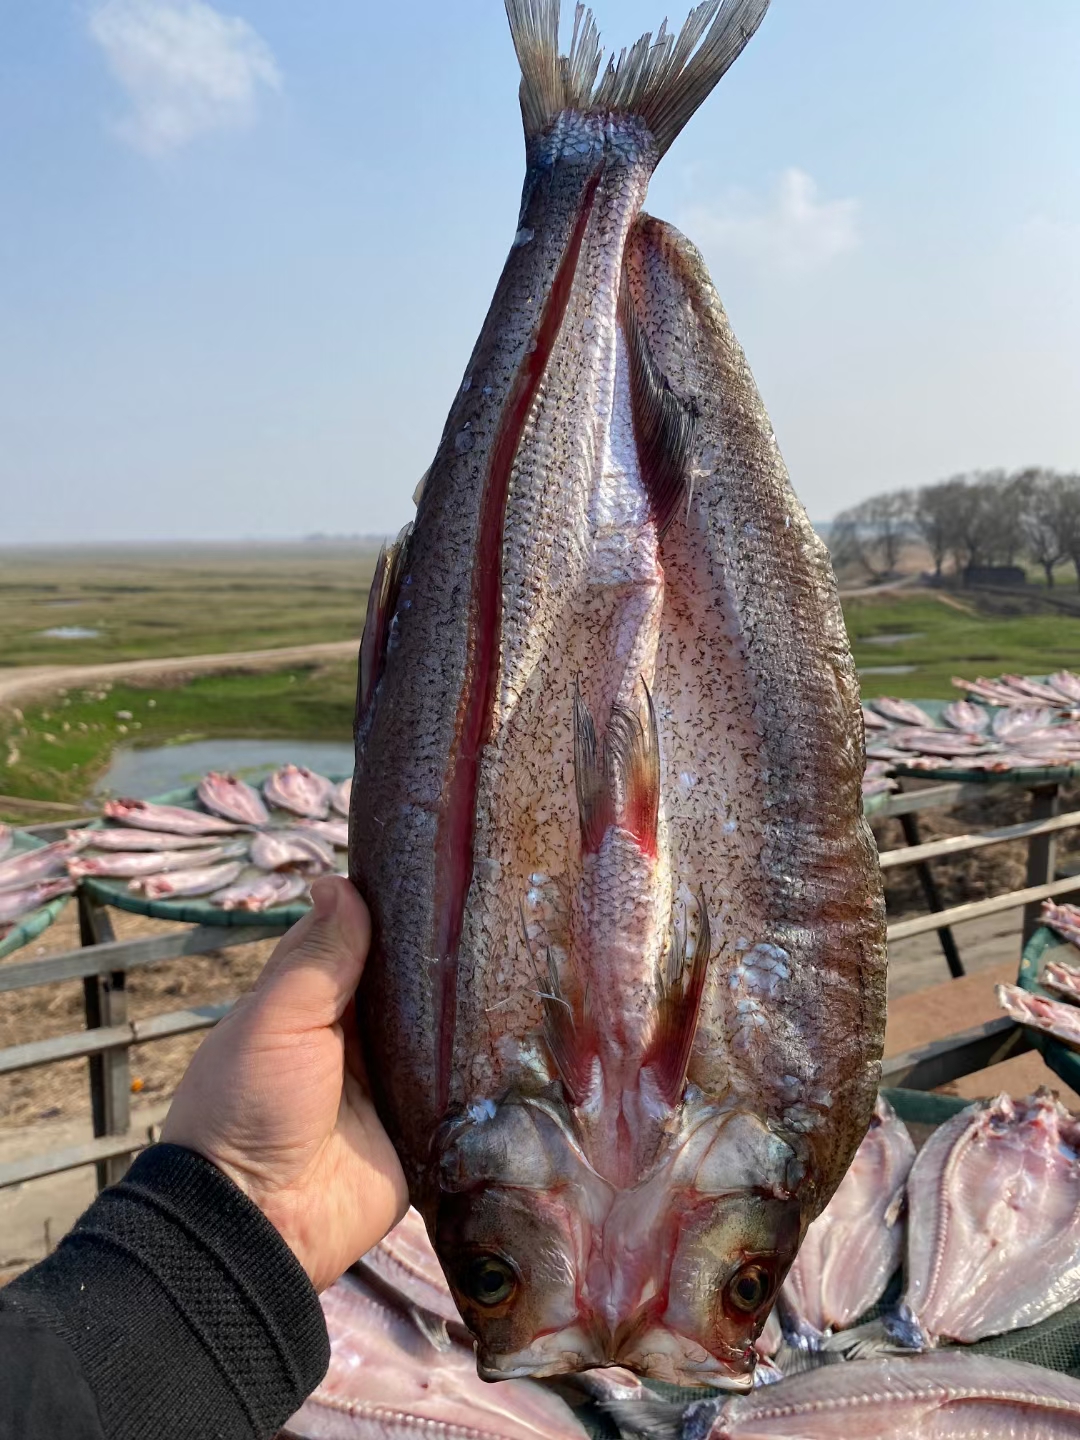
[{"x": 30, "y": 681}]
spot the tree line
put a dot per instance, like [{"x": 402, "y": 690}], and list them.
[{"x": 982, "y": 518}]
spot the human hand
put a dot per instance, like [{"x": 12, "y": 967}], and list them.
[{"x": 276, "y": 1096}]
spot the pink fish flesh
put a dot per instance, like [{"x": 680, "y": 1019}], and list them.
[
  {"x": 772, "y": 1336},
  {"x": 1064, "y": 919},
  {"x": 1025, "y": 685},
  {"x": 299, "y": 791},
  {"x": 341, "y": 796},
  {"x": 1049, "y": 1016},
  {"x": 904, "y": 712},
  {"x": 282, "y": 849},
  {"x": 938, "y": 742},
  {"x": 624, "y": 1004},
  {"x": 1068, "y": 685},
  {"x": 336, "y": 831},
  {"x": 992, "y": 691},
  {"x": 947, "y": 1395},
  {"x": 14, "y": 904},
  {"x": 153, "y": 862},
  {"x": 853, "y": 1248},
  {"x": 188, "y": 882},
  {"x": 963, "y": 715},
  {"x": 232, "y": 799},
  {"x": 6, "y": 839},
  {"x": 1063, "y": 979},
  {"x": 387, "y": 1380},
  {"x": 262, "y": 892},
  {"x": 879, "y": 785},
  {"x": 21, "y": 870},
  {"x": 123, "y": 839},
  {"x": 1021, "y": 720},
  {"x": 993, "y": 1238},
  {"x": 405, "y": 1263},
  {"x": 173, "y": 819},
  {"x": 872, "y": 720}
]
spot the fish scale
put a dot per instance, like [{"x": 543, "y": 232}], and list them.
[{"x": 624, "y": 1007}]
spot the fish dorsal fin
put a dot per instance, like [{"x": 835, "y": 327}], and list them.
[
  {"x": 661, "y": 80},
  {"x": 382, "y": 602},
  {"x": 664, "y": 425},
  {"x": 617, "y": 783}
]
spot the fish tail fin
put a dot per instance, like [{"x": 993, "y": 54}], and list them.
[{"x": 661, "y": 80}]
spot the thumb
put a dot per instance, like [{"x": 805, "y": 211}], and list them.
[{"x": 314, "y": 971}]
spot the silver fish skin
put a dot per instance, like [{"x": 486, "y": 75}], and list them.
[
  {"x": 261, "y": 892},
  {"x": 172, "y": 819},
  {"x": 7, "y": 839},
  {"x": 335, "y": 831},
  {"x": 188, "y": 882},
  {"x": 151, "y": 862},
  {"x": 1049, "y": 1016},
  {"x": 854, "y": 1247},
  {"x": 993, "y": 1240},
  {"x": 284, "y": 849},
  {"x": 949, "y": 1395},
  {"x": 19, "y": 871},
  {"x": 15, "y": 904},
  {"x": 625, "y": 1000},
  {"x": 232, "y": 799},
  {"x": 341, "y": 796},
  {"x": 963, "y": 715},
  {"x": 386, "y": 1381},
  {"x": 120, "y": 838},
  {"x": 903, "y": 712},
  {"x": 1063, "y": 919},
  {"x": 300, "y": 791}
]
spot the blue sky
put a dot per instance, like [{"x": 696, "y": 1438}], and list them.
[{"x": 245, "y": 248}]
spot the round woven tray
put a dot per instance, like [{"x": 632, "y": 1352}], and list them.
[
  {"x": 192, "y": 910},
  {"x": 30, "y": 926}
]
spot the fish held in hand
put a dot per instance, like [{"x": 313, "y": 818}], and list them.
[
  {"x": 300, "y": 791},
  {"x": 993, "y": 1238},
  {"x": 624, "y": 1006},
  {"x": 853, "y": 1248},
  {"x": 172, "y": 819},
  {"x": 232, "y": 799}
]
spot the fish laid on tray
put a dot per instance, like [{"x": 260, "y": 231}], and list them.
[
  {"x": 15, "y": 905},
  {"x": 187, "y": 883},
  {"x": 119, "y": 838},
  {"x": 1062, "y": 979},
  {"x": 386, "y": 1378},
  {"x": 173, "y": 819},
  {"x": 151, "y": 862},
  {"x": 949, "y": 1395},
  {"x": 854, "y": 1247},
  {"x": 232, "y": 799},
  {"x": 262, "y": 892},
  {"x": 1050, "y": 1016},
  {"x": 47, "y": 861},
  {"x": 291, "y": 849},
  {"x": 1063, "y": 919},
  {"x": 7, "y": 839},
  {"x": 300, "y": 791},
  {"x": 993, "y": 1240},
  {"x": 624, "y": 1006}
]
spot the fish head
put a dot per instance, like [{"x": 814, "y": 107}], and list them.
[
  {"x": 730, "y": 1207},
  {"x": 515, "y": 1219}
]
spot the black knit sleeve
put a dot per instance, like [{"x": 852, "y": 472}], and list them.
[{"x": 184, "y": 1309}]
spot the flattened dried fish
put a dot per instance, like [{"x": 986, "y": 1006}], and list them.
[
  {"x": 173, "y": 819},
  {"x": 232, "y": 799},
  {"x": 300, "y": 791}
]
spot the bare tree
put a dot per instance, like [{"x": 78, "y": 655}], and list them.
[
  {"x": 1045, "y": 501},
  {"x": 1069, "y": 519},
  {"x": 873, "y": 534},
  {"x": 936, "y": 519}
]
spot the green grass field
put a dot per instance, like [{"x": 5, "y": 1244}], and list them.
[{"x": 177, "y": 601}]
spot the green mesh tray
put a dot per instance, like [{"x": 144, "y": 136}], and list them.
[
  {"x": 1064, "y": 1062},
  {"x": 32, "y": 925},
  {"x": 192, "y": 910}
]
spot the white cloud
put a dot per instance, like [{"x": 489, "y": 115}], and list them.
[
  {"x": 186, "y": 69},
  {"x": 792, "y": 230}
]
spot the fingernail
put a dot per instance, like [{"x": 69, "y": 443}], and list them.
[{"x": 324, "y": 898}]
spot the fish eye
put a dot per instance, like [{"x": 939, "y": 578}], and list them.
[
  {"x": 489, "y": 1280},
  {"x": 748, "y": 1288}
]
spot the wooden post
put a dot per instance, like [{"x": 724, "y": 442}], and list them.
[
  {"x": 1042, "y": 853},
  {"x": 910, "y": 827},
  {"x": 110, "y": 1073}
]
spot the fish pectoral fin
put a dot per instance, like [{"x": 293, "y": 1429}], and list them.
[
  {"x": 680, "y": 1003},
  {"x": 567, "y": 1035},
  {"x": 663, "y": 81},
  {"x": 618, "y": 783},
  {"x": 382, "y": 602}
]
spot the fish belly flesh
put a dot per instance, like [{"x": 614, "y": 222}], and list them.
[
  {"x": 336, "y": 831},
  {"x": 188, "y": 882},
  {"x": 993, "y": 1239},
  {"x": 14, "y": 904},
  {"x": 1049, "y": 1016},
  {"x": 151, "y": 862},
  {"x": 624, "y": 1007},
  {"x": 282, "y": 849},
  {"x": 1064, "y": 919},
  {"x": 341, "y": 796},
  {"x": 232, "y": 799},
  {"x": 173, "y": 819},
  {"x": 904, "y": 712},
  {"x": 853, "y": 1248},
  {"x": 7, "y": 839},
  {"x": 125, "y": 840},
  {"x": 262, "y": 892},
  {"x": 299, "y": 791},
  {"x": 19, "y": 871}
]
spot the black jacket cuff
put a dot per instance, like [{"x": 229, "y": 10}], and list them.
[{"x": 187, "y": 1312}]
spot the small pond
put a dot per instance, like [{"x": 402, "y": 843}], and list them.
[
  {"x": 140, "y": 773},
  {"x": 887, "y": 669},
  {"x": 70, "y": 632},
  {"x": 896, "y": 637}
]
